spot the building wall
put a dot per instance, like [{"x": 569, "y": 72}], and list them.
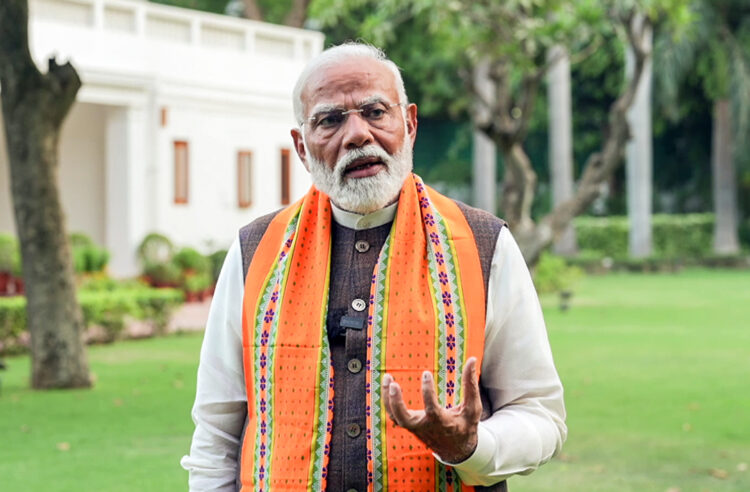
[
  {"x": 82, "y": 170},
  {"x": 212, "y": 216},
  {"x": 226, "y": 86}
]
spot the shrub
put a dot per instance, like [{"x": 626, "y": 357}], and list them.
[
  {"x": 553, "y": 274},
  {"x": 674, "y": 236},
  {"x": 190, "y": 260},
  {"x": 217, "y": 261},
  {"x": 87, "y": 256},
  {"x": 12, "y": 322},
  {"x": 10, "y": 255},
  {"x": 155, "y": 249},
  {"x": 163, "y": 274},
  {"x": 109, "y": 309}
]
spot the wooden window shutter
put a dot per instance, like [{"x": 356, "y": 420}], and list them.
[
  {"x": 181, "y": 176},
  {"x": 244, "y": 178}
]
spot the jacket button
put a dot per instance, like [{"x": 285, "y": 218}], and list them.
[
  {"x": 362, "y": 246},
  {"x": 353, "y": 430},
  {"x": 359, "y": 304},
  {"x": 354, "y": 366}
]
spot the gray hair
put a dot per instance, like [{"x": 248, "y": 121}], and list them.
[{"x": 337, "y": 54}]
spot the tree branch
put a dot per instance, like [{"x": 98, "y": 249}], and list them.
[{"x": 298, "y": 13}]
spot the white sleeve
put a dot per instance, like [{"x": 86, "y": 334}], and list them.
[
  {"x": 220, "y": 400},
  {"x": 527, "y": 426}
]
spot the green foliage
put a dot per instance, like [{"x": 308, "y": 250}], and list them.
[
  {"x": 155, "y": 248},
  {"x": 87, "y": 256},
  {"x": 215, "y": 6},
  {"x": 217, "y": 261},
  {"x": 12, "y": 322},
  {"x": 185, "y": 268},
  {"x": 196, "y": 282},
  {"x": 108, "y": 308},
  {"x": 163, "y": 274},
  {"x": 674, "y": 236},
  {"x": 553, "y": 274},
  {"x": 189, "y": 259},
  {"x": 10, "y": 255}
]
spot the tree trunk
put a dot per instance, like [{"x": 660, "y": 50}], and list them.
[
  {"x": 252, "y": 10},
  {"x": 519, "y": 183},
  {"x": 639, "y": 168},
  {"x": 34, "y": 107},
  {"x": 724, "y": 181},
  {"x": 298, "y": 13},
  {"x": 561, "y": 142}
]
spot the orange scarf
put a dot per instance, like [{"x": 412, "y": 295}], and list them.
[{"x": 426, "y": 312}]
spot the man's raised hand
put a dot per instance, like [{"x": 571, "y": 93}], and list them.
[{"x": 451, "y": 433}]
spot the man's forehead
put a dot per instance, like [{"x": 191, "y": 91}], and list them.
[{"x": 359, "y": 78}]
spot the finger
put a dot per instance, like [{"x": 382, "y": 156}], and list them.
[
  {"x": 431, "y": 403},
  {"x": 385, "y": 394},
  {"x": 472, "y": 401},
  {"x": 401, "y": 414}
]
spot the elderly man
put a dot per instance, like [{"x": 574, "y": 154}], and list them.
[{"x": 375, "y": 335}]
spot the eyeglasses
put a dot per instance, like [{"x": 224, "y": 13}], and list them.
[{"x": 377, "y": 114}]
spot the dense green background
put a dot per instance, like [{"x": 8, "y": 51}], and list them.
[{"x": 655, "y": 369}]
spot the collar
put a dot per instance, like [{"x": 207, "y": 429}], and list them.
[{"x": 359, "y": 222}]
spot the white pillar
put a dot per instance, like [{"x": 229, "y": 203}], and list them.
[
  {"x": 561, "y": 141},
  {"x": 639, "y": 172},
  {"x": 126, "y": 187},
  {"x": 484, "y": 151}
]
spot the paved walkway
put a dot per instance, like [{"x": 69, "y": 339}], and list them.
[{"x": 191, "y": 316}]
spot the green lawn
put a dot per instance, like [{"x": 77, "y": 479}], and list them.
[{"x": 656, "y": 371}]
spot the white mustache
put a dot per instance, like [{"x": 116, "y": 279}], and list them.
[{"x": 371, "y": 150}]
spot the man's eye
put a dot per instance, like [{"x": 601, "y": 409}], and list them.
[
  {"x": 331, "y": 119},
  {"x": 374, "y": 113}
]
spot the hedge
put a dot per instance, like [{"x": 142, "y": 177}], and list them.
[
  {"x": 674, "y": 236},
  {"x": 109, "y": 309}
]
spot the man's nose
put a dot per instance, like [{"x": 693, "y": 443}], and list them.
[{"x": 356, "y": 131}]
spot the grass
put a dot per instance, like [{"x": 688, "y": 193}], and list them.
[
  {"x": 127, "y": 434},
  {"x": 656, "y": 370}
]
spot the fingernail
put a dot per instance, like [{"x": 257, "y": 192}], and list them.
[
  {"x": 392, "y": 389},
  {"x": 426, "y": 376}
]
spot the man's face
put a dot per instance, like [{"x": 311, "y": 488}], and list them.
[{"x": 359, "y": 159}]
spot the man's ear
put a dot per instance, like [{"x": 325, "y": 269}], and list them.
[
  {"x": 411, "y": 122},
  {"x": 299, "y": 146}
]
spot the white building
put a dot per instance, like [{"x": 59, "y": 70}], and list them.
[{"x": 181, "y": 125}]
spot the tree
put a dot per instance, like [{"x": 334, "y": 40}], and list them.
[
  {"x": 717, "y": 49},
  {"x": 514, "y": 37},
  {"x": 34, "y": 106}
]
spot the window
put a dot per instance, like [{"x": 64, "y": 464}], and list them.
[
  {"x": 285, "y": 177},
  {"x": 180, "y": 171},
  {"x": 244, "y": 178}
]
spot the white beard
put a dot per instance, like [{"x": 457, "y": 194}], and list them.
[{"x": 363, "y": 195}]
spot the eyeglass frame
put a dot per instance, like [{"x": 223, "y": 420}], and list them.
[{"x": 347, "y": 112}]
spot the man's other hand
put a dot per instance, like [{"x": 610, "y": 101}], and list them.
[{"x": 451, "y": 433}]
